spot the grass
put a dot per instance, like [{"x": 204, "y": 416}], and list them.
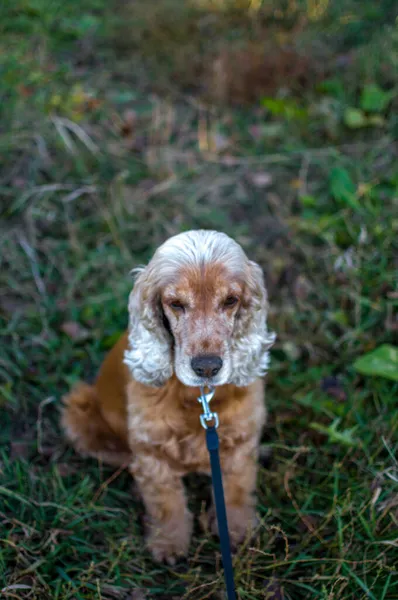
[{"x": 104, "y": 154}]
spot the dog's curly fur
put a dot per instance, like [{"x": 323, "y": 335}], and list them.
[{"x": 198, "y": 296}]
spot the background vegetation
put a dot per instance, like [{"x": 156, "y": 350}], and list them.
[{"x": 122, "y": 124}]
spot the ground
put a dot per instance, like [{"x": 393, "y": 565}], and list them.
[{"x": 114, "y": 136}]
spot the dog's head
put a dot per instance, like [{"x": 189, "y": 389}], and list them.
[{"x": 198, "y": 309}]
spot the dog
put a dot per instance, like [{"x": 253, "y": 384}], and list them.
[{"x": 197, "y": 316}]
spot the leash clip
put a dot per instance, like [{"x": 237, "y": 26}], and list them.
[{"x": 205, "y": 399}]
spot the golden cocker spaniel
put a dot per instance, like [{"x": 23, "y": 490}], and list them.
[{"x": 197, "y": 316}]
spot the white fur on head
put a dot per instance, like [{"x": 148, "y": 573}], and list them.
[
  {"x": 150, "y": 353},
  {"x": 251, "y": 339}
]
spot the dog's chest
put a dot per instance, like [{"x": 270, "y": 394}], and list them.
[
  {"x": 182, "y": 447},
  {"x": 173, "y": 433},
  {"x": 189, "y": 451}
]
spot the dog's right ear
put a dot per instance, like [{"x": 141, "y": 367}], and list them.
[
  {"x": 252, "y": 340},
  {"x": 149, "y": 356}
]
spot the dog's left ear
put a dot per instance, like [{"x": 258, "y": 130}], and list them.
[
  {"x": 252, "y": 340},
  {"x": 149, "y": 355}
]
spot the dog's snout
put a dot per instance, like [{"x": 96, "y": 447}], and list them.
[{"x": 207, "y": 365}]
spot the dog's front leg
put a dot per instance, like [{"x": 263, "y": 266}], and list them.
[
  {"x": 169, "y": 520},
  {"x": 239, "y": 470}
]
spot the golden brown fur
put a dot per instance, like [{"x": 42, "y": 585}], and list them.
[{"x": 156, "y": 431}]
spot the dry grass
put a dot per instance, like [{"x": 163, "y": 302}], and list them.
[{"x": 97, "y": 170}]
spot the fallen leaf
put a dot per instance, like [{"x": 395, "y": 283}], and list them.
[
  {"x": 19, "y": 182},
  {"x": 391, "y": 322},
  {"x": 20, "y": 449},
  {"x": 343, "y": 60},
  {"x": 292, "y": 350},
  {"x": 332, "y": 387},
  {"x": 265, "y": 456},
  {"x": 16, "y": 586},
  {"x": 48, "y": 451},
  {"x": 273, "y": 590},
  {"x": 118, "y": 148},
  {"x": 229, "y": 161},
  {"x": 261, "y": 179},
  {"x": 219, "y": 142},
  {"x": 11, "y": 305},
  {"x": 66, "y": 469},
  {"x": 296, "y": 184},
  {"x": 376, "y": 120},
  {"x": 381, "y": 362},
  {"x": 137, "y": 594},
  {"x": 129, "y": 121},
  {"x": 256, "y": 131},
  {"x": 376, "y": 495},
  {"x": 138, "y": 143},
  {"x": 74, "y": 330},
  {"x": 271, "y": 130},
  {"x": 301, "y": 288},
  {"x": 310, "y": 522}
]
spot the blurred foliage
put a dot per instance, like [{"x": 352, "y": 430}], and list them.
[{"x": 111, "y": 142}]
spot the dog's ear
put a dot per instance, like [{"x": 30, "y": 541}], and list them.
[
  {"x": 252, "y": 340},
  {"x": 149, "y": 356}
]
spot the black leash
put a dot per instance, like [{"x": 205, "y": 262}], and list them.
[
  {"x": 212, "y": 446},
  {"x": 212, "y": 443}
]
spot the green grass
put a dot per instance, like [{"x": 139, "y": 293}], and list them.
[{"x": 103, "y": 157}]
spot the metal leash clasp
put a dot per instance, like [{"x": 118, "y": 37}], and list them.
[{"x": 205, "y": 399}]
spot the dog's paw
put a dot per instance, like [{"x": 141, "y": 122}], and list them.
[
  {"x": 170, "y": 541},
  {"x": 242, "y": 522},
  {"x": 167, "y": 551}
]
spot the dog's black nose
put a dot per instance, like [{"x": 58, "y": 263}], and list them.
[{"x": 206, "y": 365}]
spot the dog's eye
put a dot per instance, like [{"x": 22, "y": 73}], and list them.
[
  {"x": 230, "y": 301},
  {"x": 177, "y": 306}
]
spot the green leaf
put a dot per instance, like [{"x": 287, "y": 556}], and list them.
[
  {"x": 308, "y": 200},
  {"x": 87, "y": 23},
  {"x": 345, "y": 437},
  {"x": 382, "y": 362},
  {"x": 286, "y": 107},
  {"x": 374, "y": 98},
  {"x": 319, "y": 403},
  {"x": 376, "y": 120},
  {"x": 333, "y": 87},
  {"x": 338, "y": 316},
  {"x": 342, "y": 187},
  {"x": 354, "y": 118}
]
